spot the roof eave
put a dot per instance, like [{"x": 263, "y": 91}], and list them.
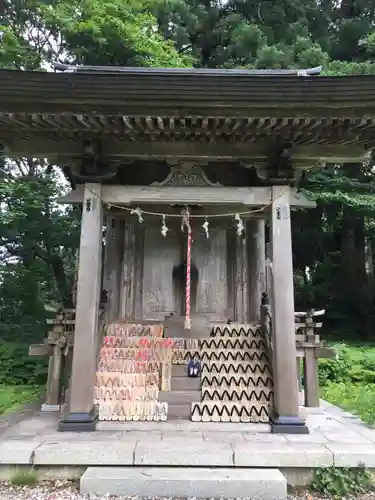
[{"x": 187, "y": 71}]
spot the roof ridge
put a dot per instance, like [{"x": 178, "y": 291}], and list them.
[{"x": 187, "y": 71}]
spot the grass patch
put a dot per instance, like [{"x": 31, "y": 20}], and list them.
[
  {"x": 24, "y": 477},
  {"x": 14, "y": 396},
  {"x": 356, "y": 397},
  {"x": 349, "y": 381}
]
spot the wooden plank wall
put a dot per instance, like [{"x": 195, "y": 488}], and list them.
[
  {"x": 143, "y": 280},
  {"x": 160, "y": 256},
  {"x": 210, "y": 257}
]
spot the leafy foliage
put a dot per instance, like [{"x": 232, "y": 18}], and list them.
[
  {"x": 39, "y": 240},
  {"x": 341, "y": 482},
  {"x": 18, "y": 368},
  {"x": 349, "y": 380}
]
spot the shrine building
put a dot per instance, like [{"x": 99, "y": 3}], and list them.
[{"x": 186, "y": 179}]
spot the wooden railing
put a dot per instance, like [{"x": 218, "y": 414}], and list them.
[
  {"x": 309, "y": 346},
  {"x": 58, "y": 346},
  {"x": 309, "y": 349}
]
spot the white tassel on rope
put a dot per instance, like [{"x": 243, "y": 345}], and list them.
[
  {"x": 164, "y": 227},
  {"x": 138, "y": 211},
  {"x": 205, "y": 227},
  {"x": 240, "y": 225}
]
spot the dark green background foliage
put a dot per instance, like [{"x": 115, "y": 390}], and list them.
[
  {"x": 18, "y": 368},
  {"x": 332, "y": 244}
]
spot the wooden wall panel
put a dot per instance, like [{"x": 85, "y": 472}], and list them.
[
  {"x": 210, "y": 257},
  {"x": 241, "y": 283},
  {"x": 112, "y": 264},
  {"x": 127, "y": 292},
  {"x": 160, "y": 256},
  {"x": 231, "y": 273}
]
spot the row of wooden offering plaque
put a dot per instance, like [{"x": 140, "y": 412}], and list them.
[{"x": 134, "y": 363}]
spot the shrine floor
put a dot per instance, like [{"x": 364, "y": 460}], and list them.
[{"x": 336, "y": 438}]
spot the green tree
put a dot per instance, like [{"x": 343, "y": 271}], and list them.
[{"x": 39, "y": 240}]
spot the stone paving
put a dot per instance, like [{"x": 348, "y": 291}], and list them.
[{"x": 336, "y": 437}]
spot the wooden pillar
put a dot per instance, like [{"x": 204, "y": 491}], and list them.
[
  {"x": 82, "y": 415},
  {"x": 310, "y": 369},
  {"x": 53, "y": 392},
  {"x": 256, "y": 254},
  {"x": 240, "y": 279},
  {"x": 286, "y": 418}
]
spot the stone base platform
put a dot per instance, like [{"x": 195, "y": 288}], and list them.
[
  {"x": 267, "y": 484},
  {"x": 336, "y": 438}
]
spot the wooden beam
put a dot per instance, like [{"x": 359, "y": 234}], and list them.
[
  {"x": 326, "y": 352},
  {"x": 40, "y": 350},
  {"x": 64, "y": 149},
  {"x": 126, "y": 195}
]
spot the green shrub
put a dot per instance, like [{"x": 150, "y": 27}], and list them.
[
  {"x": 368, "y": 361},
  {"x": 336, "y": 370},
  {"x": 18, "y": 368},
  {"x": 341, "y": 482}
]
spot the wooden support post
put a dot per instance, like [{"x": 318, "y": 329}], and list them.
[
  {"x": 310, "y": 368},
  {"x": 82, "y": 415},
  {"x": 286, "y": 418},
  {"x": 53, "y": 393},
  {"x": 256, "y": 253}
]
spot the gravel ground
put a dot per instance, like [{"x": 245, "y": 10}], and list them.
[{"x": 67, "y": 491}]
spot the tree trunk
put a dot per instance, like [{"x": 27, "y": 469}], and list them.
[
  {"x": 356, "y": 284},
  {"x": 63, "y": 284}
]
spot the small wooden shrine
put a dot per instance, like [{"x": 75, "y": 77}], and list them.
[{"x": 193, "y": 175}]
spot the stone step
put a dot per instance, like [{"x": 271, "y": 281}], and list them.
[
  {"x": 194, "y": 333},
  {"x": 179, "y": 411},
  {"x": 179, "y": 397},
  {"x": 227, "y": 411},
  {"x": 232, "y": 343},
  {"x": 185, "y": 384},
  {"x": 179, "y": 370},
  {"x": 200, "y": 327},
  {"x": 237, "y": 394},
  {"x": 264, "y": 484},
  {"x": 242, "y": 367}
]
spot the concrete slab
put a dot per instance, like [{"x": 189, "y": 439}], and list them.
[
  {"x": 55, "y": 437},
  {"x": 168, "y": 435},
  {"x": 264, "y": 438},
  {"x": 224, "y": 436},
  {"x": 267, "y": 484},
  {"x": 139, "y": 435},
  {"x": 353, "y": 455},
  {"x": 190, "y": 443},
  {"x": 315, "y": 437},
  {"x": 18, "y": 452},
  {"x": 364, "y": 430},
  {"x": 183, "y": 452},
  {"x": 184, "y": 425},
  {"x": 85, "y": 453},
  {"x": 30, "y": 427},
  {"x": 281, "y": 455},
  {"x": 347, "y": 437}
]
